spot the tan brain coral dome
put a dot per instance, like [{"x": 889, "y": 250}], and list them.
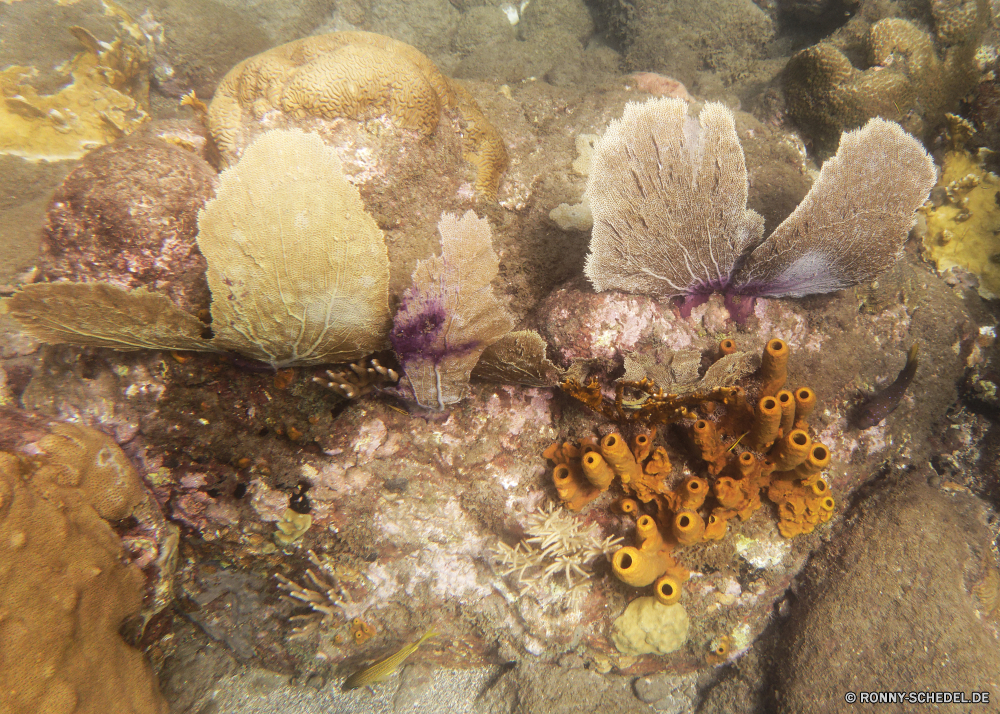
[{"x": 359, "y": 76}]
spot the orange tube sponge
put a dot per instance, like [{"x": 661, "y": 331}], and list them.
[
  {"x": 574, "y": 491},
  {"x": 715, "y": 528},
  {"x": 692, "y": 493},
  {"x": 668, "y": 589},
  {"x": 689, "y": 527},
  {"x": 617, "y": 454},
  {"x": 817, "y": 461},
  {"x": 729, "y": 493},
  {"x": 597, "y": 471},
  {"x": 773, "y": 367},
  {"x": 637, "y": 567},
  {"x": 628, "y": 505},
  {"x": 805, "y": 402},
  {"x": 641, "y": 445},
  {"x": 790, "y": 451},
  {"x": 648, "y": 535},
  {"x": 727, "y": 347},
  {"x": 786, "y": 400},
  {"x": 765, "y": 426},
  {"x": 709, "y": 444}
]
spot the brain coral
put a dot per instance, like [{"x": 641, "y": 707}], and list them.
[
  {"x": 908, "y": 74},
  {"x": 313, "y": 82},
  {"x": 64, "y": 590}
]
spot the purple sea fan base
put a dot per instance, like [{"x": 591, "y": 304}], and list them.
[{"x": 420, "y": 330}]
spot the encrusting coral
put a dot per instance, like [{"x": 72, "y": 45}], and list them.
[
  {"x": 746, "y": 450},
  {"x": 669, "y": 195},
  {"x": 963, "y": 219},
  {"x": 298, "y": 271},
  {"x": 350, "y": 75},
  {"x": 105, "y": 95}
]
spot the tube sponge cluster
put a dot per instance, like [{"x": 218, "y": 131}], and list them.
[{"x": 748, "y": 448}]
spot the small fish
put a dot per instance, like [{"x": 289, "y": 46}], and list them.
[
  {"x": 381, "y": 670},
  {"x": 880, "y": 405}
]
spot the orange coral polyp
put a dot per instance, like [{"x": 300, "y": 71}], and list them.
[
  {"x": 791, "y": 450},
  {"x": 773, "y": 367},
  {"x": 620, "y": 458},
  {"x": 597, "y": 470}
]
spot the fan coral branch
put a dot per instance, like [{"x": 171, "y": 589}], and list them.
[{"x": 669, "y": 197}]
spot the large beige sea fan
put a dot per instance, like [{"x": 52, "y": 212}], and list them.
[{"x": 298, "y": 270}]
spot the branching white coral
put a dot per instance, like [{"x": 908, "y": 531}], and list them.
[
  {"x": 557, "y": 542},
  {"x": 323, "y": 593}
]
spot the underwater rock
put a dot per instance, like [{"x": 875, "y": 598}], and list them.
[
  {"x": 908, "y": 75},
  {"x": 668, "y": 194},
  {"x": 450, "y": 315},
  {"x": 918, "y": 592},
  {"x": 669, "y": 38},
  {"x": 127, "y": 216}
]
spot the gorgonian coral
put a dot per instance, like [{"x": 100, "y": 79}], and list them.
[{"x": 669, "y": 198}]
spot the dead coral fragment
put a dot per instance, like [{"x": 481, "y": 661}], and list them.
[
  {"x": 668, "y": 194},
  {"x": 556, "y": 544},
  {"x": 450, "y": 315}
]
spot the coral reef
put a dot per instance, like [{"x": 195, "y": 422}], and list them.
[
  {"x": 963, "y": 219},
  {"x": 127, "y": 216},
  {"x": 909, "y": 75},
  {"x": 668, "y": 194},
  {"x": 64, "y": 589},
  {"x": 353, "y": 75},
  {"x": 450, "y": 315},
  {"x": 746, "y": 450},
  {"x": 298, "y": 280}
]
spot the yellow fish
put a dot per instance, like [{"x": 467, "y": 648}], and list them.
[{"x": 383, "y": 669}]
